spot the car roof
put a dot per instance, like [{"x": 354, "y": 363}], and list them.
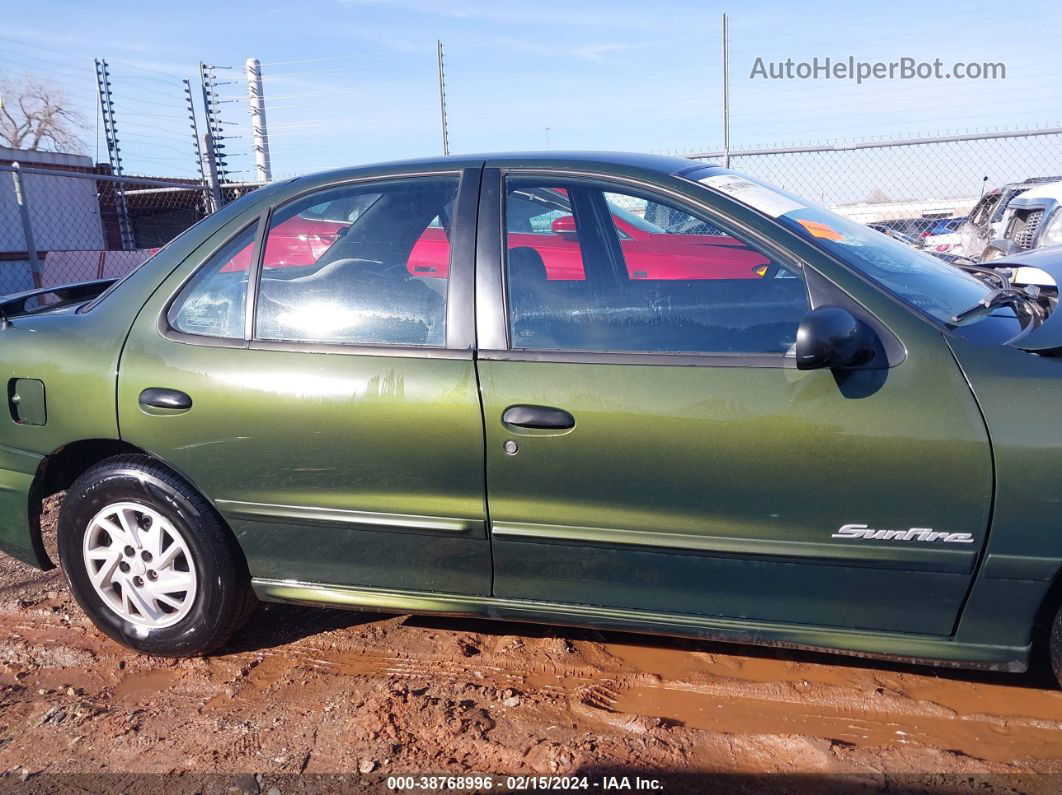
[
  {"x": 1047, "y": 190},
  {"x": 1026, "y": 183},
  {"x": 562, "y": 160}
]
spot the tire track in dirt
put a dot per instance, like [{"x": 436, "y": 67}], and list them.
[{"x": 330, "y": 691}]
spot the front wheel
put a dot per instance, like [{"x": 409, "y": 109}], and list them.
[{"x": 149, "y": 560}]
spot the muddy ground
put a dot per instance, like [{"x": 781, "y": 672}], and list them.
[{"x": 323, "y": 692}]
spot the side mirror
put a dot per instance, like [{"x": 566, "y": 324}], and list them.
[
  {"x": 564, "y": 225},
  {"x": 832, "y": 337}
]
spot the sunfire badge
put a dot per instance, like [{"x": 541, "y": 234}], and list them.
[{"x": 926, "y": 534}]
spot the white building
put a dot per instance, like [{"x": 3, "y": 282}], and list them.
[{"x": 64, "y": 213}]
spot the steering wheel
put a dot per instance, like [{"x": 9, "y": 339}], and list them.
[{"x": 691, "y": 226}]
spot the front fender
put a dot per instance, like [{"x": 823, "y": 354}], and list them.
[{"x": 1018, "y": 393}]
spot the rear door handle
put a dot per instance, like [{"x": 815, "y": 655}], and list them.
[
  {"x": 159, "y": 398},
  {"x": 538, "y": 417}
]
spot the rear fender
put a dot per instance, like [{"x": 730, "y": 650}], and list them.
[{"x": 19, "y": 512}]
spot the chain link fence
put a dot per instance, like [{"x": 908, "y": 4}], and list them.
[
  {"x": 63, "y": 226},
  {"x": 909, "y": 183},
  {"x": 61, "y": 223}
]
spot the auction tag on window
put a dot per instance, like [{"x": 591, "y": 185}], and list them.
[
  {"x": 819, "y": 229},
  {"x": 755, "y": 196}
]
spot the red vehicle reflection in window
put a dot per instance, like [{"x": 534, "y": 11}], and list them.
[
  {"x": 296, "y": 242},
  {"x": 649, "y": 252},
  {"x": 648, "y": 255}
]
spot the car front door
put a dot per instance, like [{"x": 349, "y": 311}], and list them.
[
  {"x": 651, "y": 445},
  {"x": 329, "y": 411}
]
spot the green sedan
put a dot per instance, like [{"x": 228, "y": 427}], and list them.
[{"x": 619, "y": 391}]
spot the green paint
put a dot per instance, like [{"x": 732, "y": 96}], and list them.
[{"x": 696, "y": 498}]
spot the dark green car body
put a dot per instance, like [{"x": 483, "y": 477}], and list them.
[{"x": 697, "y": 494}]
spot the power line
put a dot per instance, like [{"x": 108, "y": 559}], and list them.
[
  {"x": 148, "y": 69},
  {"x": 42, "y": 49},
  {"x": 337, "y": 57}
]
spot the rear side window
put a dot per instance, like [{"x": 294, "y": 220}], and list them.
[
  {"x": 625, "y": 271},
  {"x": 214, "y": 302},
  {"x": 364, "y": 264}
]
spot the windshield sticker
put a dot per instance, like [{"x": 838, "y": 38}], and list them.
[
  {"x": 756, "y": 196},
  {"x": 819, "y": 229}
]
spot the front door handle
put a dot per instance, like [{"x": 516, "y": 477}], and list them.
[
  {"x": 159, "y": 398},
  {"x": 538, "y": 417}
]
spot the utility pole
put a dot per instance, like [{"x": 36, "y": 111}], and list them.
[
  {"x": 212, "y": 174},
  {"x": 726, "y": 95},
  {"x": 442, "y": 97},
  {"x": 27, "y": 227},
  {"x": 213, "y": 139},
  {"x": 195, "y": 129},
  {"x": 208, "y": 198},
  {"x": 256, "y": 103},
  {"x": 114, "y": 153}
]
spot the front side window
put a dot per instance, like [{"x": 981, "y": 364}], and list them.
[
  {"x": 362, "y": 264},
  {"x": 213, "y": 303},
  {"x": 624, "y": 271},
  {"x": 1001, "y": 206},
  {"x": 923, "y": 281}
]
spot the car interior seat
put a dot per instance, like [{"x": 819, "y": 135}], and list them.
[{"x": 388, "y": 304}]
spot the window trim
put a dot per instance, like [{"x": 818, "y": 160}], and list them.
[
  {"x": 254, "y": 272},
  {"x": 648, "y": 359},
  {"x": 495, "y": 343},
  {"x": 460, "y": 328}
]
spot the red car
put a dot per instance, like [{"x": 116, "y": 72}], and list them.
[
  {"x": 544, "y": 224},
  {"x": 648, "y": 254},
  {"x": 297, "y": 241}
]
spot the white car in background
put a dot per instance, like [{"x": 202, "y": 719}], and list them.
[
  {"x": 1033, "y": 220},
  {"x": 986, "y": 222}
]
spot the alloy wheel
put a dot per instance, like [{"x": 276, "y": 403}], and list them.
[{"x": 140, "y": 565}]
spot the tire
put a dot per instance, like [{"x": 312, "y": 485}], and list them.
[
  {"x": 1055, "y": 646},
  {"x": 185, "y": 588}
]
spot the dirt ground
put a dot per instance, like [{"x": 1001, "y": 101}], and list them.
[{"x": 347, "y": 699}]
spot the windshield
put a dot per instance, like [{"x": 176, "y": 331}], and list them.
[{"x": 933, "y": 286}]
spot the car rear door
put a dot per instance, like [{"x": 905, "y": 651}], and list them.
[
  {"x": 333, "y": 418},
  {"x": 651, "y": 446}
]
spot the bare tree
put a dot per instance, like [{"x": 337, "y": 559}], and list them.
[{"x": 37, "y": 115}]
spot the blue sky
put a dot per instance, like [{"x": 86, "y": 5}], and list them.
[{"x": 349, "y": 81}]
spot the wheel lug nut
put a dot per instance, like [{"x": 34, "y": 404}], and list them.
[
  {"x": 145, "y": 556},
  {"x": 138, "y": 581},
  {"x": 129, "y": 552},
  {"x": 123, "y": 566},
  {"x": 152, "y": 574}
]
